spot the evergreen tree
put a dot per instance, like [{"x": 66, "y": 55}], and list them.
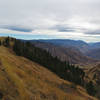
[
  {"x": 0, "y": 43},
  {"x": 90, "y": 88},
  {"x": 6, "y": 42}
]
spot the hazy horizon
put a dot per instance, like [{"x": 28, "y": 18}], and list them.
[{"x": 36, "y": 38}]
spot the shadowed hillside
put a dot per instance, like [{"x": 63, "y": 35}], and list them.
[
  {"x": 76, "y": 51},
  {"x": 71, "y": 54},
  {"x": 94, "y": 53},
  {"x": 81, "y": 45}
]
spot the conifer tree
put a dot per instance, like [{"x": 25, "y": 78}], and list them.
[
  {"x": 0, "y": 43},
  {"x": 90, "y": 88}
]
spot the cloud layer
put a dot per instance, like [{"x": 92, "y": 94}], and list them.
[{"x": 51, "y": 17}]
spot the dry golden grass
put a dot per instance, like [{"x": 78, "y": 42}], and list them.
[{"x": 22, "y": 79}]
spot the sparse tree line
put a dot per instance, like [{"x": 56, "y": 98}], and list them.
[{"x": 62, "y": 69}]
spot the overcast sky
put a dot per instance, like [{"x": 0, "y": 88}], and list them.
[{"x": 68, "y": 19}]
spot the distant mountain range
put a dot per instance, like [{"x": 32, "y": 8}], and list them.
[
  {"x": 81, "y": 45},
  {"x": 74, "y": 51}
]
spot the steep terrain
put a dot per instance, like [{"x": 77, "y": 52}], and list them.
[
  {"x": 22, "y": 79},
  {"x": 73, "y": 55},
  {"x": 94, "y": 53},
  {"x": 88, "y": 49},
  {"x": 80, "y": 45},
  {"x": 94, "y": 75}
]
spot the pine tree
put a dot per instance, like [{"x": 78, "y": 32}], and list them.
[
  {"x": 6, "y": 42},
  {"x": 90, "y": 88},
  {"x": 0, "y": 43}
]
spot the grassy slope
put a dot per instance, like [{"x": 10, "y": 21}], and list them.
[
  {"x": 21, "y": 79},
  {"x": 94, "y": 75}
]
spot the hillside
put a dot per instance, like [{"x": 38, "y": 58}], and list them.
[
  {"x": 94, "y": 75},
  {"x": 21, "y": 79},
  {"x": 94, "y": 53},
  {"x": 83, "y": 48},
  {"x": 94, "y": 45},
  {"x": 80, "y": 45},
  {"x": 71, "y": 54}
]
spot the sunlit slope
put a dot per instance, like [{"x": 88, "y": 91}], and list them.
[{"x": 21, "y": 79}]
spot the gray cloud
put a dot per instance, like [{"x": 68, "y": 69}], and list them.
[
  {"x": 20, "y": 29},
  {"x": 92, "y": 32},
  {"x": 68, "y": 28},
  {"x": 63, "y": 28},
  {"x": 16, "y": 28}
]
